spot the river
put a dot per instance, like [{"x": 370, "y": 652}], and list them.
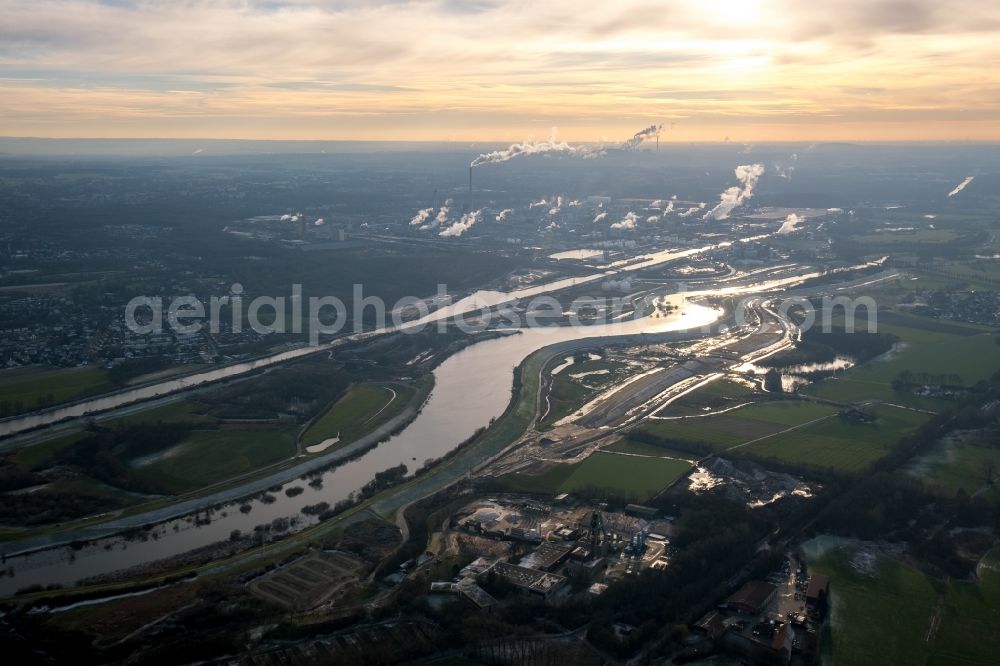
[
  {"x": 476, "y": 301},
  {"x": 471, "y": 387}
]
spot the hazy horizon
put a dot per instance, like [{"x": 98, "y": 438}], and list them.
[{"x": 501, "y": 70}]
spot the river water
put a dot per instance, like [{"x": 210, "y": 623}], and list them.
[
  {"x": 476, "y": 301},
  {"x": 471, "y": 387}
]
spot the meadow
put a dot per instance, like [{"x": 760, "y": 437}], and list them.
[
  {"x": 885, "y": 611},
  {"x": 361, "y": 410},
  {"x": 637, "y": 477},
  {"x": 33, "y": 387},
  {"x": 928, "y": 346}
]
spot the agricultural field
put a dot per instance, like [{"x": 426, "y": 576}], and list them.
[
  {"x": 628, "y": 475},
  {"x": 643, "y": 449},
  {"x": 799, "y": 433},
  {"x": 884, "y": 611},
  {"x": 182, "y": 411},
  {"x": 38, "y": 455},
  {"x": 918, "y": 236},
  {"x": 928, "y": 346},
  {"x": 35, "y": 387},
  {"x": 210, "y": 456},
  {"x": 840, "y": 443},
  {"x": 361, "y": 410},
  {"x": 632, "y": 476},
  {"x": 739, "y": 426},
  {"x": 968, "y": 461}
]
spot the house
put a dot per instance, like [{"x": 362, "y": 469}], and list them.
[
  {"x": 818, "y": 590},
  {"x": 752, "y": 598},
  {"x": 710, "y": 625}
]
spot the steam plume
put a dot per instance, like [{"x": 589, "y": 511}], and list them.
[
  {"x": 642, "y": 135},
  {"x": 790, "y": 224},
  {"x": 502, "y": 215},
  {"x": 734, "y": 196},
  {"x": 421, "y": 216},
  {"x": 627, "y": 222},
  {"x": 463, "y": 225},
  {"x": 550, "y": 146},
  {"x": 960, "y": 186}
]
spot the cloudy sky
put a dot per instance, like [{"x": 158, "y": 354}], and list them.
[{"x": 501, "y": 69}]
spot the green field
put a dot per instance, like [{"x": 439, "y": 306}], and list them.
[
  {"x": 182, "y": 411},
  {"x": 39, "y": 455},
  {"x": 738, "y": 426},
  {"x": 799, "y": 433},
  {"x": 919, "y": 236},
  {"x": 960, "y": 463},
  {"x": 930, "y": 346},
  {"x": 630, "y": 476},
  {"x": 887, "y": 616},
  {"x": 627, "y": 475},
  {"x": 644, "y": 449},
  {"x": 209, "y": 456},
  {"x": 30, "y": 388},
  {"x": 361, "y": 410},
  {"x": 839, "y": 443}
]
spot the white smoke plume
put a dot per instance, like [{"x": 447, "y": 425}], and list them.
[
  {"x": 627, "y": 223},
  {"x": 747, "y": 174},
  {"x": 656, "y": 203},
  {"x": 439, "y": 219},
  {"x": 557, "y": 206},
  {"x": 540, "y": 202},
  {"x": 574, "y": 202},
  {"x": 319, "y": 222},
  {"x": 689, "y": 212},
  {"x": 550, "y": 146},
  {"x": 291, "y": 218},
  {"x": 961, "y": 186},
  {"x": 669, "y": 208},
  {"x": 599, "y": 217},
  {"x": 502, "y": 215},
  {"x": 642, "y": 135},
  {"x": 463, "y": 225},
  {"x": 653, "y": 218},
  {"x": 553, "y": 225},
  {"x": 422, "y": 215},
  {"x": 791, "y": 224}
]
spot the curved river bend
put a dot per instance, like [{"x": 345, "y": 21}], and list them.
[{"x": 471, "y": 387}]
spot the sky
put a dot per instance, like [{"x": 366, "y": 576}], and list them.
[{"x": 502, "y": 70}]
